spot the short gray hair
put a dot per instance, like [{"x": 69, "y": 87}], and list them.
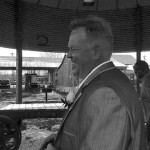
[{"x": 95, "y": 28}]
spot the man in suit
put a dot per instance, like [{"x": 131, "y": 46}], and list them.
[{"x": 106, "y": 113}]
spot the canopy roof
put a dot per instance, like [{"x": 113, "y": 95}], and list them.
[
  {"x": 44, "y": 23},
  {"x": 99, "y": 5}
]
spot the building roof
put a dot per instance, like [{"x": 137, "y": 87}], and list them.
[
  {"x": 125, "y": 59},
  {"x": 117, "y": 62},
  {"x": 30, "y": 62},
  {"x": 48, "y": 62}
]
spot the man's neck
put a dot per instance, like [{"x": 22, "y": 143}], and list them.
[
  {"x": 83, "y": 79},
  {"x": 96, "y": 64}
]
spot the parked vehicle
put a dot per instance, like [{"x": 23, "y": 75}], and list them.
[{"x": 5, "y": 84}]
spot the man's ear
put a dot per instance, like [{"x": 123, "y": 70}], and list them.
[
  {"x": 145, "y": 71},
  {"x": 96, "y": 51}
]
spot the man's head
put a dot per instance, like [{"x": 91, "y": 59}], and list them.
[
  {"x": 140, "y": 69},
  {"x": 90, "y": 44}
]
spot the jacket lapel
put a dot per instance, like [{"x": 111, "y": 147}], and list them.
[{"x": 98, "y": 71}]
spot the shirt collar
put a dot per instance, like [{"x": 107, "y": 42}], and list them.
[{"x": 92, "y": 72}]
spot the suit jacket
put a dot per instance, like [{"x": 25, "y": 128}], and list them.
[
  {"x": 106, "y": 115},
  {"x": 145, "y": 95}
]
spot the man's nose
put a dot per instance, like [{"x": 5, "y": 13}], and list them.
[{"x": 69, "y": 55}]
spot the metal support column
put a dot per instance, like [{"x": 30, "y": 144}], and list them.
[
  {"x": 138, "y": 39},
  {"x": 18, "y": 52}
]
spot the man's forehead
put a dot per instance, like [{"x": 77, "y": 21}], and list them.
[
  {"x": 78, "y": 33},
  {"x": 78, "y": 30},
  {"x": 77, "y": 36}
]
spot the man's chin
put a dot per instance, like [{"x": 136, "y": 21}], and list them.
[
  {"x": 75, "y": 73},
  {"x": 139, "y": 80}
]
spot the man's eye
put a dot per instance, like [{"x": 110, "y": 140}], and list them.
[{"x": 73, "y": 49}]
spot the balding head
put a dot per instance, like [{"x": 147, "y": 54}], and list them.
[{"x": 141, "y": 68}]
